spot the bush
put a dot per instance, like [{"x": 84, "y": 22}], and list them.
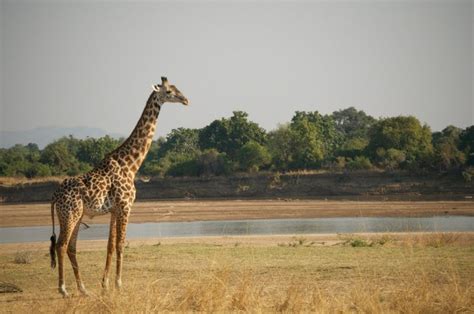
[
  {"x": 468, "y": 174},
  {"x": 38, "y": 170},
  {"x": 340, "y": 163},
  {"x": 211, "y": 162},
  {"x": 154, "y": 168},
  {"x": 360, "y": 243},
  {"x": 252, "y": 156},
  {"x": 187, "y": 168},
  {"x": 23, "y": 257},
  {"x": 391, "y": 158},
  {"x": 353, "y": 147},
  {"x": 359, "y": 163}
]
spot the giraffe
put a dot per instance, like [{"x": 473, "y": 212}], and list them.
[{"x": 108, "y": 188}]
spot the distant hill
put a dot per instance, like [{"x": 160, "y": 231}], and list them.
[{"x": 45, "y": 135}]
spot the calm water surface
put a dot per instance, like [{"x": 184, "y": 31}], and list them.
[{"x": 254, "y": 227}]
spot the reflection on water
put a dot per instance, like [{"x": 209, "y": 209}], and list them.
[{"x": 255, "y": 227}]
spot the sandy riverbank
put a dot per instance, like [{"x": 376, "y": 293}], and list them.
[
  {"x": 15, "y": 215},
  {"x": 330, "y": 239}
]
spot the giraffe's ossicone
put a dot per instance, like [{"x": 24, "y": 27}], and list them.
[{"x": 108, "y": 188}]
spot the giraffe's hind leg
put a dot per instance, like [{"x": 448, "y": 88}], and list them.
[
  {"x": 71, "y": 252},
  {"x": 68, "y": 220},
  {"x": 61, "y": 249}
]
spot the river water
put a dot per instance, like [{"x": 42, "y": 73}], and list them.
[{"x": 255, "y": 227}]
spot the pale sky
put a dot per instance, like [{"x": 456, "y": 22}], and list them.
[{"x": 91, "y": 63}]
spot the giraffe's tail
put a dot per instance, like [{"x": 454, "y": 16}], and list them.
[{"x": 52, "y": 248}]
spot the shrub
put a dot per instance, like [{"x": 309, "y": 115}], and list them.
[
  {"x": 252, "y": 156},
  {"x": 359, "y": 163},
  {"x": 185, "y": 168},
  {"x": 360, "y": 243},
  {"x": 212, "y": 162},
  {"x": 38, "y": 170},
  {"x": 391, "y": 158},
  {"x": 468, "y": 174},
  {"x": 340, "y": 163},
  {"x": 23, "y": 257}
]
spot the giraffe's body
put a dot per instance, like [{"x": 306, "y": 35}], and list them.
[
  {"x": 93, "y": 193},
  {"x": 108, "y": 188}
]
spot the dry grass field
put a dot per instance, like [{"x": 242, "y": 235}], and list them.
[{"x": 413, "y": 273}]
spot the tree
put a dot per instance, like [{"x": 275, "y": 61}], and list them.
[
  {"x": 175, "y": 156},
  {"x": 253, "y": 156},
  {"x": 353, "y": 123},
  {"x": 243, "y": 131},
  {"x": 21, "y": 160},
  {"x": 466, "y": 144},
  {"x": 14, "y": 161},
  {"x": 279, "y": 145},
  {"x": 181, "y": 141},
  {"x": 446, "y": 153},
  {"x": 211, "y": 162},
  {"x": 313, "y": 138},
  {"x": 61, "y": 157},
  {"x": 92, "y": 151},
  {"x": 451, "y": 132},
  {"x": 353, "y": 126},
  {"x": 230, "y": 135},
  {"x": 306, "y": 141},
  {"x": 215, "y": 135},
  {"x": 405, "y": 134},
  {"x": 38, "y": 169},
  {"x": 151, "y": 165}
]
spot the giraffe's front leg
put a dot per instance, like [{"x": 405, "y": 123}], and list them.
[
  {"x": 122, "y": 220},
  {"x": 110, "y": 250}
]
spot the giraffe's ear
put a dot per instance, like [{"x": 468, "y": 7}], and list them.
[{"x": 156, "y": 88}]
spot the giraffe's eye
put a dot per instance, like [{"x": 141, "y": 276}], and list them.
[{"x": 168, "y": 92}]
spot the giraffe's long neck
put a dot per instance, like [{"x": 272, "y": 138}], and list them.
[{"x": 132, "y": 152}]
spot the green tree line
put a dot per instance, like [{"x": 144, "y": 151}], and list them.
[{"x": 347, "y": 139}]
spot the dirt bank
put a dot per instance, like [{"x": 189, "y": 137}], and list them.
[
  {"x": 160, "y": 211},
  {"x": 365, "y": 185}
]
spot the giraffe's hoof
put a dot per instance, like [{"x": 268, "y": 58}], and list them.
[
  {"x": 105, "y": 284},
  {"x": 62, "y": 290},
  {"x": 118, "y": 284},
  {"x": 84, "y": 292}
]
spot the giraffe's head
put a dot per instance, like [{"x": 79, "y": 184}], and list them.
[{"x": 169, "y": 93}]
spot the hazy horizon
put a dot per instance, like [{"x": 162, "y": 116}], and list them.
[{"x": 91, "y": 64}]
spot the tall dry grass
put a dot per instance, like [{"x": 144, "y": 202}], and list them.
[
  {"x": 223, "y": 291},
  {"x": 404, "y": 275}
]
